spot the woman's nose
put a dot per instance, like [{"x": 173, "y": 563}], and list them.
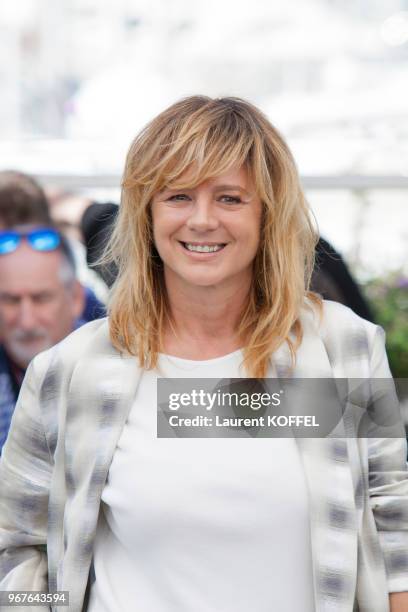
[{"x": 203, "y": 215}]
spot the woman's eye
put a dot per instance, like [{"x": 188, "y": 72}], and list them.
[
  {"x": 178, "y": 197},
  {"x": 231, "y": 199}
]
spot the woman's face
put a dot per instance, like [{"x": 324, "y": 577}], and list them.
[{"x": 208, "y": 235}]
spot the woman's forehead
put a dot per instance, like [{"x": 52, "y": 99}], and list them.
[{"x": 236, "y": 175}]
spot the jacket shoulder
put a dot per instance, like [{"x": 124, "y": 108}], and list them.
[
  {"x": 349, "y": 339},
  {"x": 337, "y": 319},
  {"x": 80, "y": 338},
  {"x": 92, "y": 336}
]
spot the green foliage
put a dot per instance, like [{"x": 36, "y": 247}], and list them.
[{"x": 389, "y": 299}]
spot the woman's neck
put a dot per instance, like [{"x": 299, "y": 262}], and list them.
[{"x": 205, "y": 320}]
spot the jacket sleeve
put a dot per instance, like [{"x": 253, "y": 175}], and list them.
[
  {"x": 25, "y": 473},
  {"x": 388, "y": 485}
]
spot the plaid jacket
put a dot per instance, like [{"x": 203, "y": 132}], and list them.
[{"x": 71, "y": 410}]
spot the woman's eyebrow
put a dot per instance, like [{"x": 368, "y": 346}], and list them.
[
  {"x": 230, "y": 187},
  {"x": 175, "y": 189},
  {"x": 224, "y": 187}
]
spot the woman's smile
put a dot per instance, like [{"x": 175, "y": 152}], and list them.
[{"x": 202, "y": 250}]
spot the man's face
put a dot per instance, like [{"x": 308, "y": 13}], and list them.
[{"x": 37, "y": 309}]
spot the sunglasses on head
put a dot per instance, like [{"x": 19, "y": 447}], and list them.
[{"x": 40, "y": 239}]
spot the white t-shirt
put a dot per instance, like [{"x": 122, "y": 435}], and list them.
[{"x": 201, "y": 524}]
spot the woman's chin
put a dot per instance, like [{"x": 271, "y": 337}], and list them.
[{"x": 204, "y": 282}]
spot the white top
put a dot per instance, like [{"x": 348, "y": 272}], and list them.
[{"x": 202, "y": 524}]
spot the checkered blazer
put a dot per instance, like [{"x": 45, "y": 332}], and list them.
[{"x": 70, "y": 413}]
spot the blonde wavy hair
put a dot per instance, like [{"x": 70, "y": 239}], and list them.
[{"x": 207, "y": 137}]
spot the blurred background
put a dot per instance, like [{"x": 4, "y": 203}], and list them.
[{"x": 79, "y": 78}]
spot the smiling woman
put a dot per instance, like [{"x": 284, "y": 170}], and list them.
[
  {"x": 214, "y": 245},
  {"x": 222, "y": 225}
]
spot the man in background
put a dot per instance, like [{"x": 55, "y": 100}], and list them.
[
  {"x": 23, "y": 201},
  {"x": 40, "y": 303}
]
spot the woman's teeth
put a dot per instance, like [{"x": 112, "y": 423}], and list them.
[{"x": 204, "y": 248}]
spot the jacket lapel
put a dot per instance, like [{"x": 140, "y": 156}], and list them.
[
  {"x": 325, "y": 461},
  {"x": 332, "y": 522},
  {"x": 101, "y": 393}
]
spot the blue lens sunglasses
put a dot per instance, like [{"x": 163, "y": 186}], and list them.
[{"x": 40, "y": 239}]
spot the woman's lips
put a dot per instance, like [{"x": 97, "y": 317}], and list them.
[{"x": 202, "y": 254}]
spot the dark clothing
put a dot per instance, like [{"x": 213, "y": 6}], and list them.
[
  {"x": 94, "y": 309},
  {"x": 96, "y": 225},
  {"x": 9, "y": 388},
  {"x": 333, "y": 281}
]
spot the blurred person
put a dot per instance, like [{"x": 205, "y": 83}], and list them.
[
  {"x": 332, "y": 279},
  {"x": 41, "y": 302},
  {"x": 96, "y": 225},
  {"x": 214, "y": 246},
  {"x": 23, "y": 201},
  {"x": 67, "y": 209}
]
